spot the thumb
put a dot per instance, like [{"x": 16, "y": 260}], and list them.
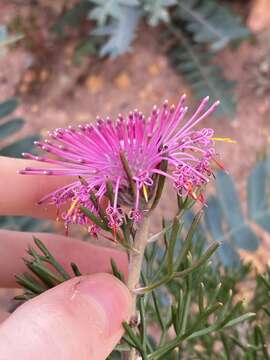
[{"x": 79, "y": 319}]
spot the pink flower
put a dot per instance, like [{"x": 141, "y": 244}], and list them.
[{"x": 127, "y": 154}]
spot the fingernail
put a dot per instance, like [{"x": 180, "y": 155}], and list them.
[{"x": 111, "y": 297}]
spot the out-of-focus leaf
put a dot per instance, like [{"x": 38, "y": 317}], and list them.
[
  {"x": 258, "y": 198},
  {"x": 23, "y": 223},
  {"x": 214, "y": 220},
  {"x": 211, "y": 22},
  {"x": 86, "y": 48},
  {"x": 72, "y": 17},
  {"x": 204, "y": 77},
  {"x": 158, "y": 10},
  {"x": 8, "y": 106},
  {"x": 240, "y": 231},
  {"x": 105, "y": 9},
  {"x": 120, "y": 32},
  {"x": 6, "y": 39},
  {"x": 115, "y": 355},
  {"x": 10, "y": 127},
  {"x": 15, "y": 149}
]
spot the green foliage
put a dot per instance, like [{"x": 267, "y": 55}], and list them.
[
  {"x": 157, "y": 10},
  {"x": 211, "y": 23},
  {"x": 246, "y": 342},
  {"x": 202, "y": 303},
  {"x": 72, "y": 17},
  {"x": 119, "y": 32},
  {"x": 11, "y": 126},
  {"x": 104, "y": 10},
  {"x": 45, "y": 277},
  {"x": 258, "y": 186},
  {"x": 224, "y": 215},
  {"x": 23, "y": 223},
  {"x": 200, "y": 294},
  {"x": 203, "y": 76},
  {"x": 196, "y": 29}
]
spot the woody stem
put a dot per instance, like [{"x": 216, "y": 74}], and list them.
[{"x": 135, "y": 265}]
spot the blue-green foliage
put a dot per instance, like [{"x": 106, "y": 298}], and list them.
[
  {"x": 104, "y": 10},
  {"x": 208, "y": 21},
  {"x": 224, "y": 216},
  {"x": 204, "y": 77},
  {"x": 196, "y": 29},
  {"x": 212, "y": 23},
  {"x": 201, "y": 28},
  {"x": 10, "y": 125},
  {"x": 258, "y": 187},
  {"x": 119, "y": 32},
  {"x": 157, "y": 11},
  {"x": 118, "y": 20}
]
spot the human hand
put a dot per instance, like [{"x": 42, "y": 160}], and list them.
[{"x": 79, "y": 319}]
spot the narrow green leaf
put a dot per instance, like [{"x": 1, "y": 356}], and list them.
[
  {"x": 128, "y": 173},
  {"x": 201, "y": 297},
  {"x": 158, "y": 311},
  {"x": 50, "y": 259},
  {"x": 226, "y": 345},
  {"x": 263, "y": 342},
  {"x": 39, "y": 273},
  {"x": 240, "y": 319},
  {"x": 30, "y": 283},
  {"x": 110, "y": 193},
  {"x": 133, "y": 336},
  {"x": 75, "y": 269},
  {"x": 188, "y": 241},
  {"x": 116, "y": 272},
  {"x": 143, "y": 332},
  {"x": 202, "y": 318},
  {"x": 214, "y": 327},
  {"x": 160, "y": 184},
  {"x": 93, "y": 217},
  {"x": 202, "y": 260},
  {"x": 171, "y": 244},
  {"x": 56, "y": 277}
]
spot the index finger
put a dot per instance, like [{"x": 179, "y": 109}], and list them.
[{"x": 19, "y": 195}]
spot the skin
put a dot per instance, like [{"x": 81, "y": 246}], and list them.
[{"x": 79, "y": 319}]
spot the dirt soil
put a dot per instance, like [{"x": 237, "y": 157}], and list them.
[{"x": 56, "y": 93}]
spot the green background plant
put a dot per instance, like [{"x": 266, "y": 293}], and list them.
[{"x": 196, "y": 30}]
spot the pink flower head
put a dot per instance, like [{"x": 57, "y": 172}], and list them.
[{"x": 127, "y": 153}]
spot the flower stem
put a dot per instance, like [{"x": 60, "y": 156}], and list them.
[{"x": 135, "y": 264}]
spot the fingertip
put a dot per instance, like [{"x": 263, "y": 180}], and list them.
[
  {"x": 81, "y": 318},
  {"x": 111, "y": 295}
]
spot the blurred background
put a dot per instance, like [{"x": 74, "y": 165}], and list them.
[{"x": 64, "y": 62}]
